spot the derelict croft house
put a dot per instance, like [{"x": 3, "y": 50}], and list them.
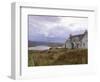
[{"x": 77, "y": 41}]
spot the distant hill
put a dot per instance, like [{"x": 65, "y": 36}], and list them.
[{"x": 37, "y": 43}]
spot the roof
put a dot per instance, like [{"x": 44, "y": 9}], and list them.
[{"x": 80, "y": 36}]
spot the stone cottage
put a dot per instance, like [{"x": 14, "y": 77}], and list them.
[{"x": 77, "y": 41}]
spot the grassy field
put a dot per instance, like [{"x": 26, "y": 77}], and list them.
[{"x": 57, "y": 56}]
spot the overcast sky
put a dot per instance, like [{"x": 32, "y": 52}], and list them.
[{"x": 54, "y": 28}]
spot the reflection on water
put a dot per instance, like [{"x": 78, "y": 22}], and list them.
[{"x": 41, "y": 47}]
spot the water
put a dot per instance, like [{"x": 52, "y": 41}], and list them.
[{"x": 41, "y": 47}]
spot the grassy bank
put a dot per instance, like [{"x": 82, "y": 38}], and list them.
[{"x": 57, "y": 56}]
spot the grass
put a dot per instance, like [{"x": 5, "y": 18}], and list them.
[{"x": 57, "y": 56}]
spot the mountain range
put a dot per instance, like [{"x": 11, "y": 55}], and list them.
[{"x": 38, "y": 43}]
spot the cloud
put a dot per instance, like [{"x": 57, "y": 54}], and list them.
[
  {"x": 74, "y": 24},
  {"x": 42, "y": 27},
  {"x": 35, "y": 18}
]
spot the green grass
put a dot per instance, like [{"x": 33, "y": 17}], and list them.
[{"x": 57, "y": 56}]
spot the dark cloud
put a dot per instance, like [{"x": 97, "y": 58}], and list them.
[{"x": 44, "y": 18}]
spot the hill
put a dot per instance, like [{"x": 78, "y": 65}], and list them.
[
  {"x": 37, "y": 43},
  {"x": 57, "y": 56}
]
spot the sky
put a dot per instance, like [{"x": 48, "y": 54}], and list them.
[{"x": 54, "y": 28}]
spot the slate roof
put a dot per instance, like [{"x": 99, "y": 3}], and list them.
[{"x": 80, "y": 36}]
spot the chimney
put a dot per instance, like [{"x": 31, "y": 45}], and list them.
[
  {"x": 85, "y": 32},
  {"x": 70, "y": 36}
]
